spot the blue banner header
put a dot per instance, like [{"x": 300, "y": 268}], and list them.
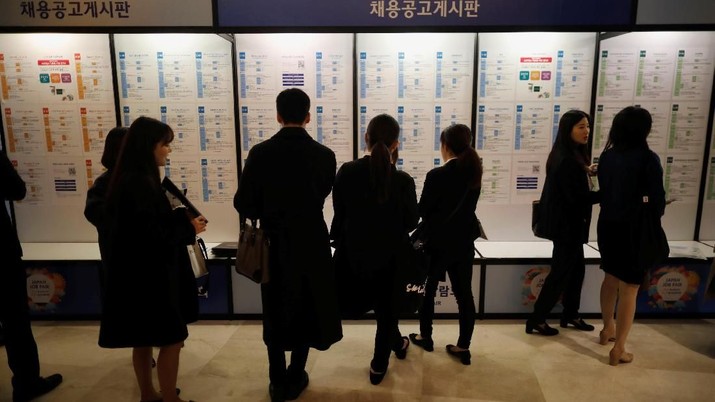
[{"x": 424, "y": 13}]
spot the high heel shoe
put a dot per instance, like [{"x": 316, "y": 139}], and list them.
[
  {"x": 425, "y": 343},
  {"x": 376, "y": 377},
  {"x": 577, "y": 323},
  {"x": 615, "y": 357},
  {"x": 464, "y": 356},
  {"x": 543, "y": 329},
  {"x": 402, "y": 352},
  {"x": 604, "y": 338}
]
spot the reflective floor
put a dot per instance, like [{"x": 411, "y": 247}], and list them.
[{"x": 226, "y": 361}]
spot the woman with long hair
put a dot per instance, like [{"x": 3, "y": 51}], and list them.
[
  {"x": 447, "y": 207},
  {"x": 149, "y": 298},
  {"x": 568, "y": 217},
  {"x": 628, "y": 172},
  {"x": 375, "y": 209}
]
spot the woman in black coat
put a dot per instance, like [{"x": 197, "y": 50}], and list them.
[
  {"x": 628, "y": 171},
  {"x": 375, "y": 209},
  {"x": 447, "y": 207},
  {"x": 150, "y": 297},
  {"x": 566, "y": 202}
]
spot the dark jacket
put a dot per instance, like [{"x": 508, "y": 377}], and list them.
[
  {"x": 150, "y": 288},
  {"x": 94, "y": 209},
  {"x": 443, "y": 190},
  {"x": 568, "y": 200},
  {"x": 368, "y": 232},
  {"x": 284, "y": 183},
  {"x": 12, "y": 188}
]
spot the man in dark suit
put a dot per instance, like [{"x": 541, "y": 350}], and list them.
[
  {"x": 14, "y": 313},
  {"x": 284, "y": 184}
]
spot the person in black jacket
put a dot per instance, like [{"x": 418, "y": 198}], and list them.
[
  {"x": 20, "y": 346},
  {"x": 568, "y": 191},
  {"x": 150, "y": 297},
  {"x": 627, "y": 171},
  {"x": 375, "y": 209},
  {"x": 447, "y": 207},
  {"x": 284, "y": 184},
  {"x": 94, "y": 206}
]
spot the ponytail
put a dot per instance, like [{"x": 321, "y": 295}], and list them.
[
  {"x": 382, "y": 131},
  {"x": 458, "y": 139}
]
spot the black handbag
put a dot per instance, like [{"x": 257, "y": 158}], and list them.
[
  {"x": 252, "y": 254},
  {"x": 411, "y": 278},
  {"x": 540, "y": 219}
]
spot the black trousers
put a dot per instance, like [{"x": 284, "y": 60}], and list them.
[
  {"x": 20, "y": 344},
  {"x": 277, "y": 372},
  {"x": 566, "y": 276},
  {"x": 460, "y": 275},
  {"x": 387, "y": 335}
]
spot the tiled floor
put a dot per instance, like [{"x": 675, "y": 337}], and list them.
[{"x": 226, "y": 361}]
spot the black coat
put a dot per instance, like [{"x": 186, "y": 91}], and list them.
[
  {"x": 443, "y": 190},
  {"x": 284, "y": 183},
  {"x": 567, "y": 199},
  {"x": 94, "y": 209},
  {"x": 371, "y": 232},
  {"x": 12, "y": 188},
  {"x": 370, "y": 237},
  {"x": 150, "y": 288}
]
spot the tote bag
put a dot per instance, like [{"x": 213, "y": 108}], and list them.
[{"x": 252, "y": 254}]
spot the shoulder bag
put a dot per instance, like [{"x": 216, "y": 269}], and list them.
[{"x": 252, "y": 254}]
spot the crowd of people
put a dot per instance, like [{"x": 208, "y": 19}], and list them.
[{"x": 283, "y": 185}]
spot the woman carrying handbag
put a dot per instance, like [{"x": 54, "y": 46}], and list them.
[{"x": 447, "y": 207}]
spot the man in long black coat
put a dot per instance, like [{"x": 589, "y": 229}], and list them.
[
  {"x": 284, "y": 184},
  {"x": 14, "y": 314}
]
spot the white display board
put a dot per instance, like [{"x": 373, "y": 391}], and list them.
[
  {"x": 186, "y": 81},
  {"x": 320, "y": 65},
  {"x": 671, "y": 75},
  {"x": 57, "y": 107},
  {"x": 707, "y": 221},
  {"x": 526, "y": 81},
  {"x": 424, "y": 80}
]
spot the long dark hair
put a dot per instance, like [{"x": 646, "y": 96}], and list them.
[
  {"x": 458, "y": 139},
  {"x": 564, "y": 145},
  {"x": 137, "y": 153},
  {"x": 630, "y": 129},
  {"x": 382, "y": 131}
]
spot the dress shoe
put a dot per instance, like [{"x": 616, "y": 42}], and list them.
[
  {"x": 376, "y": 376},
  {"x": 277, "y": 392},
  {"x": 577, "y": 323},
  {"x": 296, "y": 386},
  {"x": 425, "y": 343},
  {"x": 604, "y": 338},
  {"x": 40, "y": 386},
  {"x": 615, "y": 357},
  {"x": 464, "y": 356},
  {"x": 543, "y": 329},
  {"x": 402, "y": 352}
]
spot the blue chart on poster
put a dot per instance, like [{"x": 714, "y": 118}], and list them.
[
  {"x": 677, "y": 288},
  {"x": 63, "y": 289}
]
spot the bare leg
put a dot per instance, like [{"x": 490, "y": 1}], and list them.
[
  {"x": 168, "y": 368},
  {"x": 609, "y": 295},
  {"x": 624, "y": 321},
  {"x": 141, "y": 359}
]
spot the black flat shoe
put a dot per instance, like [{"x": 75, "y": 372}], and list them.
[
  {"x": 402, "y": 352},
  {"x": 577, "y": 323},
  {"x": 38, "y": 387},
  {"x": 376, "y": 377},
  {"x": 297, "y": 386},
  {"x": 543, "y": 329},
  {"x": 277, "y": 392},
  {"x": 464, "y": 356},
  {"x": 424, "y": 343}
]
